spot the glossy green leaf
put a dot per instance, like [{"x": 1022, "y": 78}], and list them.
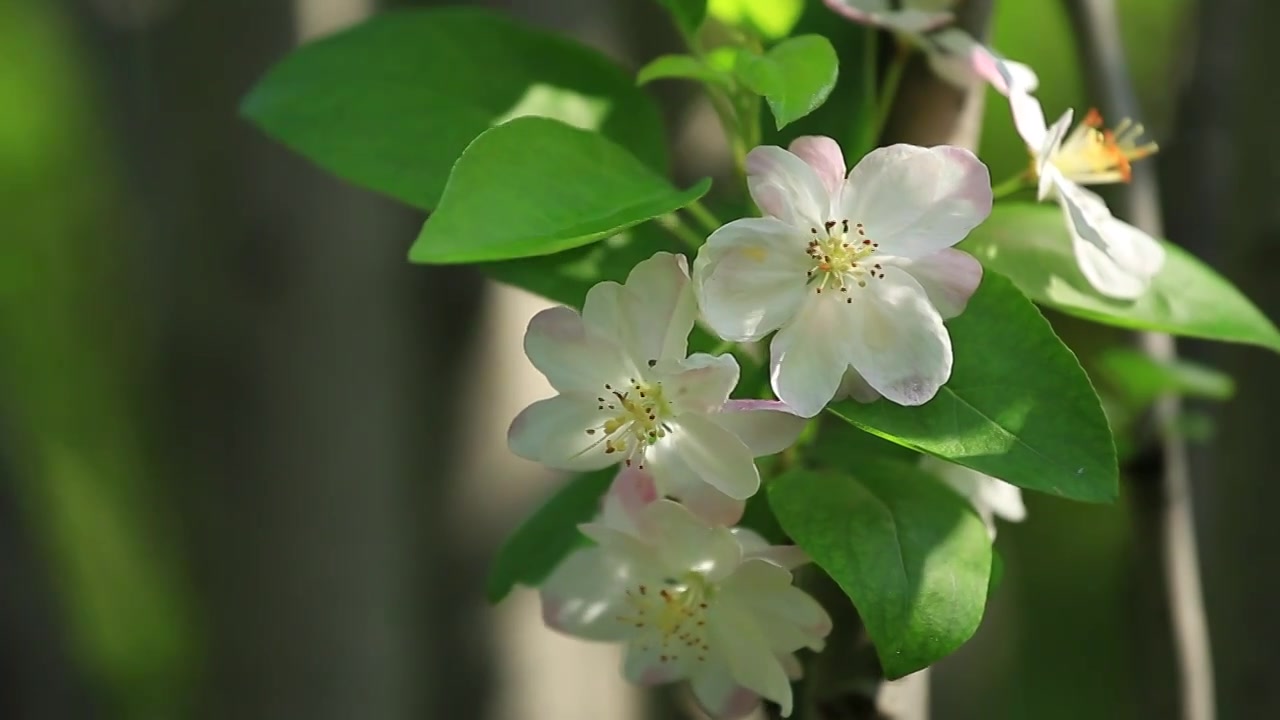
[
  {"x": 1030, "y": 244},
  {"x": 1143, "y": 379},
  {"x": 688, "y": 14},
  {"x": 536, "y": 186},
  {"x": 910, "y": 553},
  {"x": 392, "y": 102},
  {"x": 1018, "y": 405},
  {"x": 548, "y": 535},
  {"x": 795, "y": 76},
  {"x": 684, "y": 67}
]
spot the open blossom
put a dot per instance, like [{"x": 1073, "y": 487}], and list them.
[
  {"x": 990, "y": 497},
  {"x": 1117, "y": 258},
  {"x": 856, "y": 273},
  {"x": 953, "y": 54},
  {"x": 628, "y": 394},
  {"x": 691, "y": 601}
]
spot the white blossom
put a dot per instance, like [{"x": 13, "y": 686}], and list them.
[
  {"x": 690, "y": 600},
  {"x": 856, "y": 273}
]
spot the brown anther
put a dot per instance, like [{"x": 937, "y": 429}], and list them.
[
  {"x": 829, "y": 224},
  {"x": 591, "y": 431},
  {"x": 652, "y": 363}
]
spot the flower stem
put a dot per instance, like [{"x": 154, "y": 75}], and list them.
[
  {"x": 709, "y": 221},
  {"x": 889, "y": 88},
  {"x": 1010, "y": 186},
  {"x": 673, "y": 224}
]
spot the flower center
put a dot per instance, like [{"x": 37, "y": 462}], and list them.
[
  {"x": 841, "y": 258},
  {"x": 638, "y": 423},
  {"x": 1093, "y": 154},
  {"x": 672, "y": 616}
]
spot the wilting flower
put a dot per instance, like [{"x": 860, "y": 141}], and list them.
[
  {"x": 691, "y": 601},
  {"x": 857, "y": 273},
  {"x": 991, "y": 498},
  {"x": 628, "y": 394},
  {"x": 952, "y": 53},
  {"x": 1117, "y": 258}
]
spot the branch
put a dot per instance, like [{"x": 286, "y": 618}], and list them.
[{"x": 1167, "y": 499}]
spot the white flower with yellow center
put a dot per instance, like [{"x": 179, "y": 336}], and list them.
[
  {"x": 691, "y": 601},
  {"x": 856, "y": 273},
  {"x": 952, "y": 53},
  {"x": 1118, "y": 259},
  {"x": 629, "y": 395}
]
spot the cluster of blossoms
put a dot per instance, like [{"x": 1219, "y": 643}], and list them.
[{"x": 854, "y": 274}]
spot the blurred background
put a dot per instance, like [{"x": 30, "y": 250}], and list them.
[{"x": 253, "y": 463}]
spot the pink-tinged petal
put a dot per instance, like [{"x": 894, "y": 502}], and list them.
[
  {"x": 764, "y": 426},
  {"x": 853, "y": 385},
  {"x": 561, "y": 347},
  {"x": 957, "y": 58},
  {"x": 900, "y": 345},
  {"x": 825, "y": 157},
  {"x": 916, "y": 201},
  {"x": 719, "y": 695},
  {"x": 791, "y": 664},
  {"x": 788, "y": 617},
  {"x": 632, "y": 490},
  {"x": 710, "y": 452},
  {"x": 700, "y": 383},
  {"x": 753, "y": 545},
  {"x": 707, "y": 503},
  {"x": 807, "y": 357},
  {"x": 649, "y": 317},
  {"x": 949, "y": 277},
  {"x": 787, "y": 188},
  {"x": 648, "y": 664},
  {"x": 736, "y": 637},
  {"x": 685, "y": 543},
  {"x": 584, "y": 595},
  {"x": 1118, "y": 259},
  {"x": 750, "y": 277},
  {"x": 878, "y": 13},
  {"x": 554, "y": 432}
]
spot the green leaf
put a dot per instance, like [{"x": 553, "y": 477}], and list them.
[
  {"x": 1030, "y": 244},
  {"x": 909, "y": 553},
  {"x": 771, "y": 18},
  {"x": 688, "y": 14},
  {"x": 535, "y": 186},
  {"x": 679, "y": 66},
  {"x": 392, "y": 102},
  {"x": 1018, "y": 406},
  {"x": 548, "y": 535},
  {"x": 1143, "y": 379},
  {"x": 795, "y": 76}
]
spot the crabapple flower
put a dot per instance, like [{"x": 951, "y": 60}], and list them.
[
  {"x": 991, "y": 498},
  {"x": 629, "y": 395},
  {"x": 691, "y": 601},
  {"x": 952, "y": 53},
  {"x": 1118, "y": 259},
  {"x": 856, "y": 273}
]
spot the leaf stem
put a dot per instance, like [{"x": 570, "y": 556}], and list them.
[
  {"x": 673, "y": 224},
  {"x": 1014, "y": 184},
  {"x": 705, "y": 217},
  {"x": 889, "y": 88}
]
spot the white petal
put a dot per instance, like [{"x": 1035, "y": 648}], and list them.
[
  {"x": 1118, "y": 259},
  {"x": 989, "y": 496},
  {"x": 1028, "y": 118},
  {"x": 710, "y": 452},
  {"x": 764, "y": 426},
  {"x": 878, "y": 13},
  {"x": 650, "y": 317},
  {"x": 750, "y": 277},
  {"x": 700, "y": 383},
  {"x": 786, "y": 187},
  {"x": 554, "y": 433},
  {"x": 647, "y": 664},
  {"x": 583, "y": 595},
  {"x": 949, "y": 277},
  {"x": 685, "y": 543},
  {"x": 915, "y": 201},
  {"x": 753, "y": 545},
  {"x": 900, "y": 345},
  {"x": 572, "y": 357},
  {"x": 853, "y": 385},
  {"x": 736, "y": 638},
  {"x": 807, "y": 357},
  {"x": 1049, "y": 175},
  {"x": 704, "y": 501},
  {"x": 789, "y": 617},
  {"x": 958, "y": 58},
  {"x": 825, "y": 157},
  {"x": 719, "y": 695},
  {"x": 631, "y": 492}
]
